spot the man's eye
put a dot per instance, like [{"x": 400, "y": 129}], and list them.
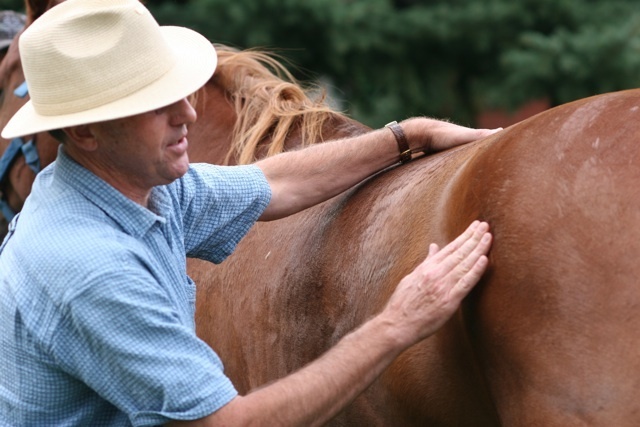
[{"x": 161, "y": 110}]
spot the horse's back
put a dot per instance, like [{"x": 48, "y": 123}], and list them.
[{"x": 555, "y": 323}]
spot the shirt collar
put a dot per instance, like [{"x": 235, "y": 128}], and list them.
[{"x": 134, "y": 219}]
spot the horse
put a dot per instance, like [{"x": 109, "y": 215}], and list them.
[
  {"x": 548, "y": 335},
  {"x": 548, "y": 338}
]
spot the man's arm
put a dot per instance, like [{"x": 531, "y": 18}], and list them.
[
  {"x": 423, "y": 301},
  {"x": 306, "y": 177}
]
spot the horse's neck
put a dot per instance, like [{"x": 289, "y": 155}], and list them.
[{"x": 213, "y": 138}]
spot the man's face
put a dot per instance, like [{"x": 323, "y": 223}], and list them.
[{"x": 146, "y": 150}]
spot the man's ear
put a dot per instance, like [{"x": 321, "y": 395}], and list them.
[{"x": 82, "y": 136}]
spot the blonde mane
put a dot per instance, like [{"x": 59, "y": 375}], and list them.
[{"x": 269, "y": 104}]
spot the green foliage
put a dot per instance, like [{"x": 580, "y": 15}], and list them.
[
  {"x": 568, "y": 65},
  {"x": 444, "y": 58},
  {"x": 16, "y": 5}
]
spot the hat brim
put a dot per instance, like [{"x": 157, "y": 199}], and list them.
[{"x": 195, "y": 64}]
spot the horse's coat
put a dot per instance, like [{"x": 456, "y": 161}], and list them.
[{"x": 548, "y": 338}]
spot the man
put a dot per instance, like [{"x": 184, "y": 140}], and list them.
[{"x": 96, "y": 309}]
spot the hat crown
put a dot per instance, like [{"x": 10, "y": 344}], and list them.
[
  {"x": 88, "y": 61},
  {"x": 63, "y": 50}
]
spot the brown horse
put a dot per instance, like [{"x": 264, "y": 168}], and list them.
[{"x": 548, "y": 338}]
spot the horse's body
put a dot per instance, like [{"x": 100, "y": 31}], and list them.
[{"x": 548, "y": 337}]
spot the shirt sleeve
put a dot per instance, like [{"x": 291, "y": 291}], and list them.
[
  {"x": 219, "y": 206},
  {"x": 122, "y": 337}
]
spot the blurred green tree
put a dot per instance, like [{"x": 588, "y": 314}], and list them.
[{"x": 16, "y": 5}]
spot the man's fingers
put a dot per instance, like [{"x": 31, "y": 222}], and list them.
[
  {"x": 482, "y": 133},
  {"x": 471, "y": 251},
  {"x": 433, "y": 249},
  {"x": 460, "y": 248},
  {"x": 450, "y": 135},
  {"x": 463, "y": 261},
  {"x": 473, "y": 267},
  {"x": 459, "y": 241},
  {"x": 428, "y": 296}
]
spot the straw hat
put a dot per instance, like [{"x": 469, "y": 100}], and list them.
[{"x": 88, "y": 61}]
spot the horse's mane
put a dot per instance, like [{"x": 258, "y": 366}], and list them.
[{"x": 269, "y": 104}]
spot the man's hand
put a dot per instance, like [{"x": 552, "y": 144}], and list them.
[
  {"x": 425, "y": 299},
  {"x": 431, "y": 135}
]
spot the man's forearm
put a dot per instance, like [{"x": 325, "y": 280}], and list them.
[
  {"x": 317, "y": 392},
  {"x": 306, "y": 177},
  {"x": 303, "y": 178}
]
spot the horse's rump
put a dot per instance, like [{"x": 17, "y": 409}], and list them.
[{"x": 554, "y": 322}]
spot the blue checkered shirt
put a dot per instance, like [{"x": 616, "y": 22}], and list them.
[{"x": 96, "y": 308}]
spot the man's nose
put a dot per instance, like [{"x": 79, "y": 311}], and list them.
[{"x": 182, "y": 112}]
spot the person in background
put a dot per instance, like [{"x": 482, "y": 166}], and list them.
[{"x": 11, "y": 23}]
